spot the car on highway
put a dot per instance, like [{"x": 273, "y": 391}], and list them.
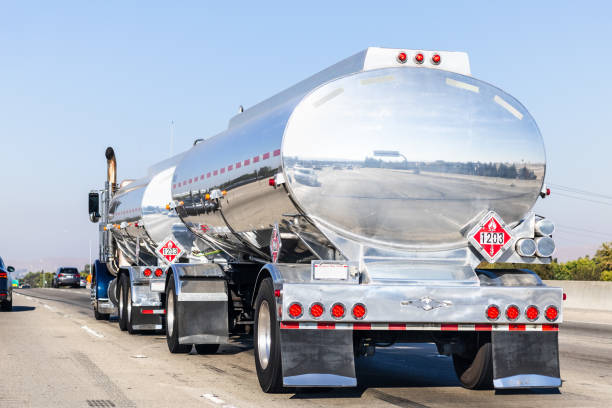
[
  {"x": 25, "y": 286},
  {"x": 6, "y": 287},
  {"x": 83, "y": 282},
  {"x": 66, "y": 276}
]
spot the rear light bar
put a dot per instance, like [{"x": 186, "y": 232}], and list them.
[{"x": 3, "y": 275}]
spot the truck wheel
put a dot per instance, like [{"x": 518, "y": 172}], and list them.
[
  {"x": 123, "y": 287},
  {"x": 172, "y": 335},
  {"x": 206, "y": 348},
  {"x": 475, "y": 369},
  {"x": 7, "y": 306},
  {"x": 267, "y": 340},
  {"x": 129, "y": 311}
]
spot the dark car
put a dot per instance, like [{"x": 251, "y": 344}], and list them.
[
  {"x": 66, "y": 277},
  {"x": 6, "y": 287}
]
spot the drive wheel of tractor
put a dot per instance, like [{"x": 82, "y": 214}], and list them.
[
  {"x": 474, "y": 368},
  {"x": 7, "y": 306},
  {"x": 129, "y": 311},
  {"x": 267, "y": 340},
  {"x": 206, "y": 348},
  {"x": 172, "y": 334},
  {"x": 123, "y": 288}
]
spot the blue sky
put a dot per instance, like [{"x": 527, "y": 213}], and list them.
[{"x": 78, "y": 76}]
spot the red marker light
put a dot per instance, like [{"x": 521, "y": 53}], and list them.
[
  {"x": 402, "y": 57},
  {"x": 552, "y": 313},
  {"x": 532, "y": 313},
  {"x": 565, "y": 296},
  {"x": 159, "y": 272},
  {"x": 277, "y": 293},
  {"x": 419, "y": 58},
  {"x": 512, "y": 313},
  {"x": 271, "y": 182},
  {"x": 147, "y": 272},
  {"x": 492, "y": 312},
  {"x": 359, "y": 311},
  {"x": 548, "y": 191},
  {"x": 295, "y": 310},
  {"x": 316, "y": 310},
  {"x": 435, "y": 59},
  {"x": 337, "y": 311}
]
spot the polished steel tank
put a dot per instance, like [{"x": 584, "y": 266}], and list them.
[{"x": 371, "y": 158}]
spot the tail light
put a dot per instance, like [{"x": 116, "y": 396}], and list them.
[
  {"x": 337, "y": 311},
  {"x": 3, "y": 275},
  {"x": 493, "y": 312},
  {"x": 295, "y": 310},
  {"x": 512, "y": 313},
  {"x": 60, "y": 275},
  {"x": 147, "y": 272},
  {"x": 532, "y": 313},
  {"x": 359, "y": 311},
  {"x": 316, "y": 310},
  {"x": 552, "y": 313},
  {"x": 159, "y": 272},
  {"x": 272, "y": 182}
]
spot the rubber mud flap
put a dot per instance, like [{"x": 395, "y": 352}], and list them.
[
  {"x": 526, "y": 360},
  {"x": 317, "y": 358}
]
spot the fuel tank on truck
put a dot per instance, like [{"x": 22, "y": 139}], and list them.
[{"x": 369, "y": 158}]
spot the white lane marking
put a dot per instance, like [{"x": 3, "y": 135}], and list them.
[
  {"x": 462, "y": 85},
  {"x": 498, "y": 100},
  {"x": 92, "y": 332},
  {"x": 46, "y": 306},
  {"x": 217, "y": 400}
]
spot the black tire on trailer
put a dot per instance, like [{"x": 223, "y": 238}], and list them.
[
  {"x": 172, "y": 335},
  {"x": 474, "y": 368},
  {"x": 267, "y": 340},
  {"x": 7, "y": 306},
  {"x": 123, "y": 287},
  {"x": 206, "y": 348}
]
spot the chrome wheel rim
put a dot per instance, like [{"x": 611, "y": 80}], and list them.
[
  {"x": 121, "y": 303},
  {"x": 170, "y": 312},
  {"x": 129, "y": 306},
  {"x": 264, "y": 334}
]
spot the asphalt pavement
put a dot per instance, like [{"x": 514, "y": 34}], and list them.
[{"x": 53, "y": 353}]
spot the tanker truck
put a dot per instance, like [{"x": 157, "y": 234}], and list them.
[{"x": 362, "y": 207}]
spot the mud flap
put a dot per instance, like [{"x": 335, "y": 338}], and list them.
[
  {"x": 202, "y": 312},
  {"x": 525, "y": 360},
  {"x": 317, "y": 358}
]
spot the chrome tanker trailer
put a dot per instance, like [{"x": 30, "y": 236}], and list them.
[{"x": 349, "y": 211}]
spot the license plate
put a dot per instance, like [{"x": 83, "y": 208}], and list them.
[{"x": 158, "y": 286}]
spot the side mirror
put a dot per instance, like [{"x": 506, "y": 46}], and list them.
[
  {"x": 94, "y": 206},
  {"x": 10, "y": 269}
]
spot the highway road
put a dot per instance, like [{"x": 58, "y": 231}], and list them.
[{"x": 53, "y": 353}]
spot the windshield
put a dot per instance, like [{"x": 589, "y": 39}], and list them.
[{"x": 72, "y": 271}]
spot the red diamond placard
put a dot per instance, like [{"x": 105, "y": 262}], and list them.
[
  {"x": 170, "y": 250},
  {"x": 490, "y": 237}
]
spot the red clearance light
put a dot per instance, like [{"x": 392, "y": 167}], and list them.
[
  {"x": 359, "y": 311},
  {"x": 552, "y": 313},
  {"x": 532, "y": 313},
  {"x": 493, "y": 312},
  {"x": 277, "y": 293},
  {"x": 419, "y": 58},
  {"x": 402, "y": 57},
  {"x": 548, "y": 191},
  {"x": 159, "y": 272},
  {"x": 512, "y": 313},
  {"x": 146, "y": 272},
  {"x": 337, "y": 311},
  {"x": 435, "y": 59},
  {"x": 565, "y": 296},
  {"x": 295, "y": 310},
  {"x": 272, "y": 182},
  {"x": 316, "y": 310}
]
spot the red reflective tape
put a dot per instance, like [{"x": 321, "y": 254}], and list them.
[
  {"x": 222, "y": 170},
  {"x": 395, "y": 326},
  {"x": 516, "y": 327},
  {"x": 449, "y": 327},
  {"x": 326, "y": 326},
  {"x": 255, "y": 159},
  {"x": 231, "y": 167},
  {"x": 238, "y": 165},
  {"x": 483, "y": 327},
  {"x": 247, "y": 162},
  {"x": 550, "y": 327},
  {"x": 146, "y": 311},
  {"x": 208, "y": 175},
  {"x": 202, "y": 176},
  {"x": 362, "y": 326},
  {"x": 215, "y": 172},
  {"x": 276, "y": 152},
  {"x": 265, "y": 156},
  {"x": 190, "y": 180},
  {"x": 289, "y": 325}
]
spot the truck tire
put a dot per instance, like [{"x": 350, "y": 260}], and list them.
[
  {"x": 475, "y": 369},
  {"x": 172, "y": 335},
  {"x": 267, "y": 340},
  {"x": 206, "y": 348},
  {"x": 124, "y": 285},
  {"x": 7, "y": 306}
]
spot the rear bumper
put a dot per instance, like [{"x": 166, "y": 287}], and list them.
[{"x": 68, "y": 281}]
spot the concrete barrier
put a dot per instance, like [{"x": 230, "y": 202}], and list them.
[{"x": 585, "y": 294}]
